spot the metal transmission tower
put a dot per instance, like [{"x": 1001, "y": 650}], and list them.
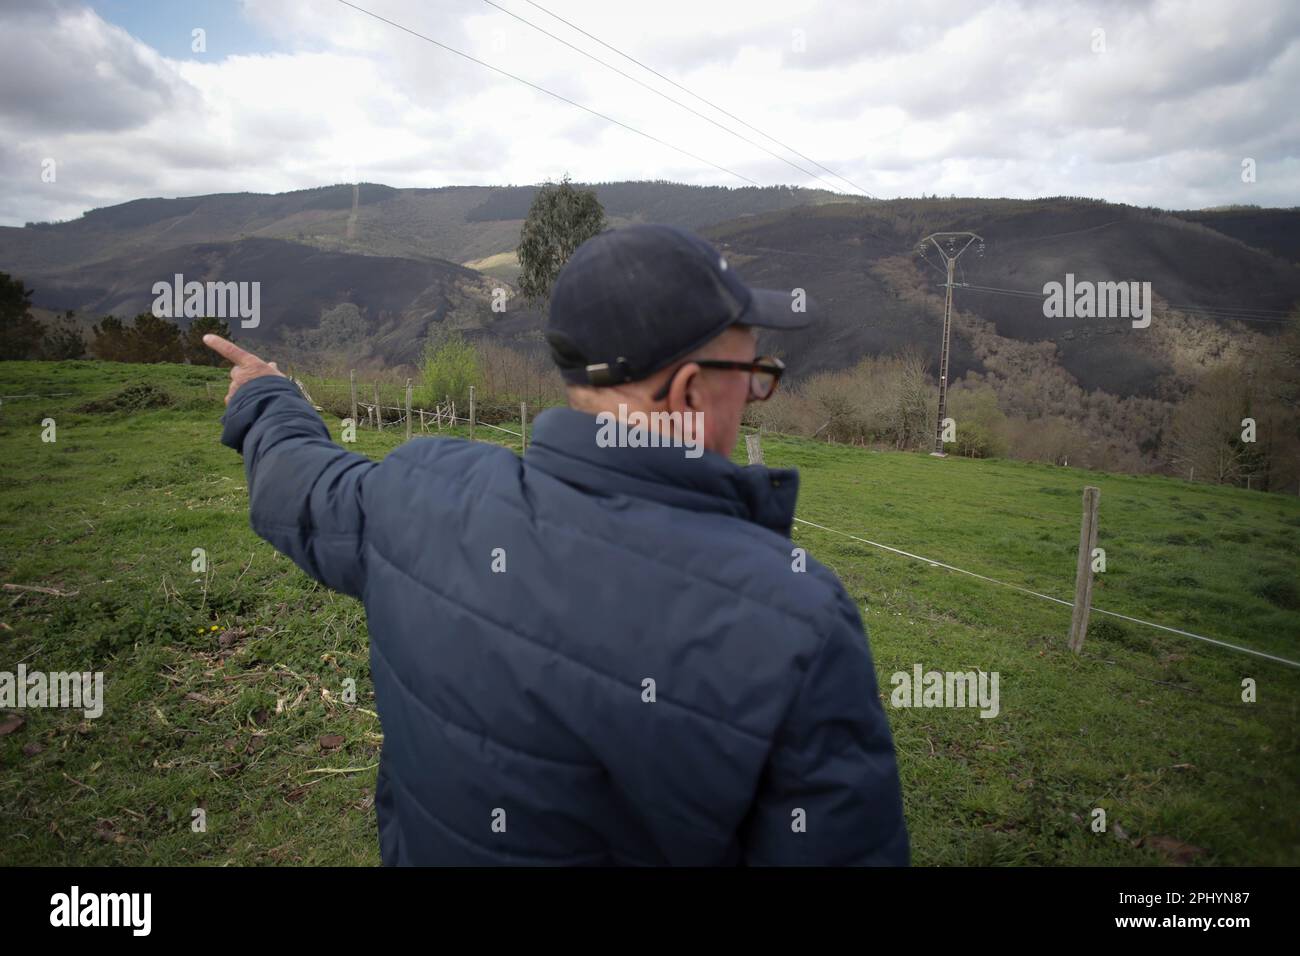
[{"x": 950, "y": 245}]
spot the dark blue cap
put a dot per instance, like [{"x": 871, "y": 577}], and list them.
[{"x": 632, "y": 301}]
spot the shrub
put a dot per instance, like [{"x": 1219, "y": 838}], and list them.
[
  {"x": 1281, "y": 591},
  {"x": 133, "y": 398},
  {"x": 451, "y": 366}
]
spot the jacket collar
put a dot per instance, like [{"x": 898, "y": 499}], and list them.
[{"x": 563, "y": 445}]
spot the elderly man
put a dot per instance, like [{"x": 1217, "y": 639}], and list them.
[{"x": 607, "y": 652}]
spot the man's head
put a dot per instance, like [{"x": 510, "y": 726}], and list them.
[
  {"x": 695, "y": 384},
  {"x": 652, "y": 318}
]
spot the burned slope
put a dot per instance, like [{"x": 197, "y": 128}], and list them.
[
  {"x": 857, "y": 260},
  {"x": 297, "y": 283}
]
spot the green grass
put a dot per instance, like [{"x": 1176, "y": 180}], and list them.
[{"x": 1146, "y": 724}]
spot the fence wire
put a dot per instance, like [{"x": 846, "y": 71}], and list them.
[{"x": 1047, "y": 597}]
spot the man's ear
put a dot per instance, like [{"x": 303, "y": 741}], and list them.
[{"x": 683, "y": 395}]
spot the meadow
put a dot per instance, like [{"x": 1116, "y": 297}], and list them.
[{"x": 228, "y": 690}]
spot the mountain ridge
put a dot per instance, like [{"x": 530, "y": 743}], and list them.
[{"x": 399, "y": 256}]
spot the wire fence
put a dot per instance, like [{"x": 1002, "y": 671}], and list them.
[
  {"x": 1047, "y": 597},
  {"x": 443, "y": 414},
  {"x": 372, "y": 405},
  {"x": 446, "y": 414}
]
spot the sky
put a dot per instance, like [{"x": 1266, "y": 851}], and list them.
[{"x": 1148, "y": 103}]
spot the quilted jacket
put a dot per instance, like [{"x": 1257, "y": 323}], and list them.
[{"x": 590, "y": 655}]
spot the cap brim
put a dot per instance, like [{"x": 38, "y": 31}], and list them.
[{"x": 774, "y": 309}]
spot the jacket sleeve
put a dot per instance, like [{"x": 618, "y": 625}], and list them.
[
  {"x": 834, "y": 761},
  {"x": 304, "y": 491}
]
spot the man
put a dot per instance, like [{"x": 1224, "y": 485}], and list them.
[{"x": 608, "y": 652}]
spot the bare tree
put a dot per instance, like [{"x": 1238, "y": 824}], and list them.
[{"x": 1207, "y": 426}]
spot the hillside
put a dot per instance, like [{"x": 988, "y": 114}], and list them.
[
  {"x": 857, "y": 262},
  {"x": 1273, "y": 230},
  {"x": 402, "y": 297},
  {"x": 457, "y": 223},
  {"x": 223, "y": 688},
  {"x": 407, "y": 258}
]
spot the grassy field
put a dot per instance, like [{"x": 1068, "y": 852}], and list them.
[{"x": 225, "y": 689}]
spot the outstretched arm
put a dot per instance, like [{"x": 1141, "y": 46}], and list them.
[{"x": 305, "y": 492}]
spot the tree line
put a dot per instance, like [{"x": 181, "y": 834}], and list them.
[{"x": 145, "y": 338}]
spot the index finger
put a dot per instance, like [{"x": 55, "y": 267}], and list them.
[{"x": 229, "y": 350}]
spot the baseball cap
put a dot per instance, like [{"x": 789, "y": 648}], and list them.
[{"x": 632, "y": 301}]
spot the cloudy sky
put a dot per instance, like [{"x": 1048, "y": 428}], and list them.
[{"x": 1153, "y": 103}]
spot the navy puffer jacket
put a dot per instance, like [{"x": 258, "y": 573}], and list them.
[{"x": 590, "y": 655}]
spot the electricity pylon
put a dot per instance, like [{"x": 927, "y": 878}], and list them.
[{"x": 950, "y": 245}]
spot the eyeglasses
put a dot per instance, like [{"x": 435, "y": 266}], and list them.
[{"x": 764, "y": 374}]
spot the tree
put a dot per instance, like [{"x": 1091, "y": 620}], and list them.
[
  {"x": 156, "y": 340},
  {"x": 981, "y": 425},
  {"x": 148, "y": 339},
  {"x": 1052, "y": 438},
  {"x": 451, "y": 366},
  {"x": 560, "y": 219},
  {"x": 1207, "y": 427},
  {"x": 20, "y": 331},
  {"x": 64, "y": 341},
  {"x": 110, "y": 341},
  {"x": 838, "y": 401},
  {"x": 913, "y": 419},
  {"x": 1280, "y": 374},
  {"x": 196, "y": 353}
]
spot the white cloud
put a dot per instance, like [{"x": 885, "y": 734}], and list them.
[{"x": 1004, "y": 98}]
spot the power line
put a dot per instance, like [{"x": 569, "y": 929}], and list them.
[
  {"x": 1056, "y": 235},
  {"x": 1245, "y": 309},
  {"x": 927, "y": 261},
  {"x": 727, "y": 129},
  {"x": 700, "y": 98},
  {"x": 1233, "y": 313},
  {"x": 1022, "y": 292},
  {"x": 1227, "y": 316},
  {"x": 542, "y": 89},
  {"x": 1239, "y": 315},
  {"x": 1233, "y": 310}
]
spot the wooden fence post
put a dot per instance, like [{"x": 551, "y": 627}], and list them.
[
  {"x": 352, "y": 388},
  {"x": 471, "y": 413},
  {"x": 408, "y": 409},
  {"x": 379, "y": 412},
  {"x": 1083, "y": 571},
  {"x": 754, "y": 448},
  {"x": 523, "y": 427},
  {"x": 207, "y": 390}
]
